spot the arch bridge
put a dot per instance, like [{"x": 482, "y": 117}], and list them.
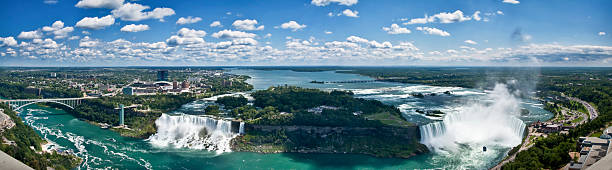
[{"x": 17, "y": 104}]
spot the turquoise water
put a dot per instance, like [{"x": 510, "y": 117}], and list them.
[{"x": 102, "y": 148}]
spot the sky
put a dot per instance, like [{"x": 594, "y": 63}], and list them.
[{"x": 305, "y": 32}]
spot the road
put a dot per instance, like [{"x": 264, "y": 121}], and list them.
[{"x": 592, "y": 112}]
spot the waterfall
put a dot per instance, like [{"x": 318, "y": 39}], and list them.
[
  {"x": 478, "y": 124},
  {"x": 194, "y": 132},
  {"x": 241, "y": 130}
]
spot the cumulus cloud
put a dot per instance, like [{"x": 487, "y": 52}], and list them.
[
  {"x": 134, "y": 12},
  {"x": 186, "y": 32},
  {"x": 476, "y": 16},
  {"x": 8, "y": 41},
  {"x": 186, "y": 36},
  {"x": 433, "y": 31},
  {"x": 247, "y": 24},
  {"x": 58, "y": 30},
  {"x": 30, "y": 34},
  {"x": 188, "y": 20},
  {"x": 229, "y": 34},
  {"x": 110, "y": 4},
  {"x": 396, "y": 29},
  {"x": 95, "y": 22},
  {"x": 445, "y": 17},
  {"x": 294, "y": 26},
  {"x": 327, "y": 2},
  {"x": 88, "y": 42},
  {"x": 349, "y": 13},
  {"x": 470, "y": 42},
  {"x": 601, "y": 33},
  {"x": 371, "y": 44},
  {"x": 511, "y": 1},
  {"x": 215, "y": 24},
  {"x": 135, "y": 28}
]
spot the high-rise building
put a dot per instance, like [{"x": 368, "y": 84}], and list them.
[
  {"x": 121, "y": 114},
  {"x": 162, "y": 75}
]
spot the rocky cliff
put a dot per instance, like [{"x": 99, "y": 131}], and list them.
[{"x": 399, "y": 142}]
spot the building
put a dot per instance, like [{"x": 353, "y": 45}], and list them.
[
  {"x": 121, "y": 114},
  {"x": 162, "y": 75},
  {"x": 175, "y": 85},
  {"x": 592, "y": 151},
  {"x": 185, "y": 84},
  {"x": 54, "y": 75}
]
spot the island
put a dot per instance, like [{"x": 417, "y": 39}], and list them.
[{"x": 294, "y": 119}]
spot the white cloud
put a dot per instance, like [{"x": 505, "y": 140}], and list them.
[
  {"x": 50, "y": 1},
  {"x": 372, "y": 44},
  {"x": 244, "y": 41},
  {"x": 500, "y": 13},
  {"x": 396, "y": 29},
  {"x": 215, "y": 24},
  {"x": 417, "y": 21},
  {"x": 470, "y": 42},
  {"x": 445, "y": 17},
  {"x": 88, "y": 42},
  {"x": 188, "y": 20},
  {"x": 247, "y": 24},
  {"x": 511, "y": 1},
  {"x": 186, "y": 36},
  {"x": 328, "y": 32},
  {"x": 58, "y": 29},
  {"x": 95, "y": 22},
  {"x": 349, "y": 13},
  {"x": 30, "y": 34},
  {"x": 601, "y": 33},
  {"x": 186, "y": 32},
  {"x": 476, "y": 16},
  {"x": 135, "y": 28},
  {"x": 110, "y": 4},
  {"x": 8, "y": 41},
  {"x": 327, "y": 2},
  {"x": 229, "y": 34},
  {"x": 433, "y": 31},
  {"x": 134, "y": 12},
  {"x": 294, "y": 26}
]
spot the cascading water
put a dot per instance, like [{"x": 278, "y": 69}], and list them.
[
  {"x": 492, "y": 124},
  {"x": 241, "y": 129},
  {"x": 194, "y": 132}
]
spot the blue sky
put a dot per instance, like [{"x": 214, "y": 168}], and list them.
[{"x": 315, "y": 32}]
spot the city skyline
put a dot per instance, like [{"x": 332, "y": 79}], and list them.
[{"x": 308, "y": 32}]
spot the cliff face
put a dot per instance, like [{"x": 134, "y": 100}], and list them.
[{"x": 399, "y": 142}]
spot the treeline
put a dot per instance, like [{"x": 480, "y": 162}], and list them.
[
  {"x": 24, "y": 138},
  {"x": 18, "y": 91},
  {"x": 290, "y": 106},
  {"x": 230, "y": 102}
]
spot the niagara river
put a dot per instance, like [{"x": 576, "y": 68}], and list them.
[{"x": 474, "y": 119}]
